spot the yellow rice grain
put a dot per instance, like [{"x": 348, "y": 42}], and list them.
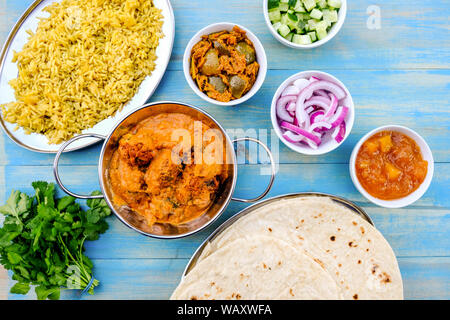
[{"x": 83, "y": 64}]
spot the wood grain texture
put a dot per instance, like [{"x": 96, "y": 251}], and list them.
[{"x": 399, "y": 74}]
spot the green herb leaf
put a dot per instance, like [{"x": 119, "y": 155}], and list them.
[
  {"x": 20, "y": 288},
  {"x": 41, "y": 242},
  {"x": 14, "y": 258},
  {"x": 63, "y": 203},
  {"x": 17, "y": 204}
]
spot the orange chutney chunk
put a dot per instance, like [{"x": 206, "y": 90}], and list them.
[{"x": 390, "y": 166}]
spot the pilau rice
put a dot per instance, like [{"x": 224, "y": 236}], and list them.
[{"x": 83, "y": 64}]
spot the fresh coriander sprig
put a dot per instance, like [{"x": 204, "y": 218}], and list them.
[{"x": 42, "y": 240}]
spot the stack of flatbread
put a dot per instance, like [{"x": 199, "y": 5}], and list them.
[{"x": 298, "y": 248}]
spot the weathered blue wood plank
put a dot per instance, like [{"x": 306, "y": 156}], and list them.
[
  {"x": 417, "y": 99},
  {"x": 423, "y": 278}
]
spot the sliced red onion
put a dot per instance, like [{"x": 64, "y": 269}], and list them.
[
  {"x": 319, "y": 125},
  {"x": 301, "y": 83},
  {"x": 313, "y": 109},
  {"x": 309, "y": 109},
  {"x": 301, "y": 131},
  {"x": 281, "y": 108},
  {"x": 291, "y": 107},
  {"x": 321, "y": 93},
  {"x": 314, "y": 115},
  {"x": 291, "y": 91},
  {"x": 339, "y": 133},
  {"x": 312, "y": 145},
  {"x": 332, "y": 107},
  {"x": 307, "y": 93},
  {"x": 339, "y": 117},
  {"x": 318, "y": 102},
  {"x": 292, "y": 137}
]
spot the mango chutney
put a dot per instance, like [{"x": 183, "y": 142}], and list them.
[{"x": 389, "y": 165}]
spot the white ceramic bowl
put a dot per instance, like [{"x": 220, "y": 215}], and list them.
[
  {"x": 333, "y": 31},
  {"x": 426, "y": 155},
  {"x": 328, "y": 143},
  {"x": 261, "y": 58}
]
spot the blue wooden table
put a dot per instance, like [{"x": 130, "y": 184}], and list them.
[{"x": 398, "y": 74}]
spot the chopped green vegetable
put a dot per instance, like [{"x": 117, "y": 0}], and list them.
[
  {"x": 299, "y": 7},
  {"x": 312, "y": 35},
  {"x": 289, "y": 36},
  {"x": 334, "y": 3},
  {"x": 273, "y": 4},
  {"x": 283, "y": 30},
  {"x": 283, "y": 7},
  {"x": 321, "y": 33},
  {"x": 312, "y": 18},
  {"x": 302, "y": 39},
  {"x": 275, "y": 16},
  {"x": 309, "y": 4},
  {"x": 316, "y": 14},
  {"x": 42, "y": 240}
]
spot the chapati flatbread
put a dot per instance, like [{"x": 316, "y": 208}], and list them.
[
  {"x": 356, "y": 257},
  {"x": 258, "y": 268}
]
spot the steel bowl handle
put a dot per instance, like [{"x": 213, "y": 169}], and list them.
[
  {"x": 56, "y": 164},
  {"x": 272, "y": 164}
]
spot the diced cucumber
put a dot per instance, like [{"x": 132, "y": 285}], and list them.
[
  {"x": 273, "y": 4},
  {"x": 300, "y": 16},
  {"x": 301, "y": 39},
  {"x": 299, "y": 7},
  {"x": 303, "y": 21},
  {"x": 292, "y": 21},
  {"x": 321, "y": 33},
  {"x": 275, "y": 16},
  {"x": 276, "y": 25},
  {"x": 301, "y": 26},
  {"x": 309, "y": 4},
  {"x": 283, "y": 30},
  {"x": 283, "y": 7},
  {"x": 330, "y": 15},
  {"x": 312, "y": 24},
  {"x": 316, "y": 14},
  {"x": 322, "y": 4},
  {"x": 335, "y": 3},
  {"x": 313, "y": 36},
  {"x": 289, "y": 36},
  {"x": 321, "y": 25}
]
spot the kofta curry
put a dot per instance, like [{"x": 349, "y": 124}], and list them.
[
  {"x": 157, "y": 172},
  {"x": 224, "y": 65}
]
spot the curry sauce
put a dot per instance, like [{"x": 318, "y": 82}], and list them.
[
  {"x": 155, "y": 171},
  {"x": 390, "y": 166}
]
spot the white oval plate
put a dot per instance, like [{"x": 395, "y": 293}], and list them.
[{"x": 8, "y": 71}]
